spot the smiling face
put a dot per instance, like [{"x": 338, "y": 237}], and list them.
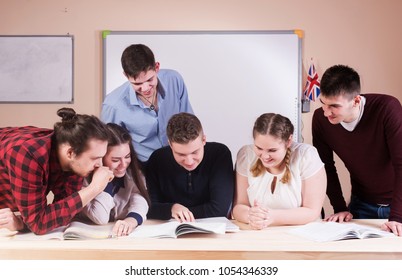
[
  {"x": 118, "y": 158},
  {"x": 145, "y": 83},
  {"x": 340, "y": 109},
  {"x": 271, "y": 151},
  {"x": 189, "y": 155}
]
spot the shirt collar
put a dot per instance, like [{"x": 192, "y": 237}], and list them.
[
  {"x": 118, "y": 182},
  {"x": 55, "y": 170},
  {"x": 54, "y": 163}
]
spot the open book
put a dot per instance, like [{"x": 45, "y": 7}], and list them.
[
  {"x": 173, "y": 228},
  {"x": 76, "y": 230},
  {"x": 6, "y": 233},
  {"x": 332, "y": 231}
]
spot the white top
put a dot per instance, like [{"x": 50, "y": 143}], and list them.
[
  {"x": 126, "y": 200},
  {"x": 304, "y": 163}
]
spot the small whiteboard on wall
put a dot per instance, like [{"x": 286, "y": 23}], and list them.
[
  {"x": 231, "y": 77},
  {"x": 36, "y": 69}
]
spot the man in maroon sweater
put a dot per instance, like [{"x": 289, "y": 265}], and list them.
[{"x": 365, "y": 131}]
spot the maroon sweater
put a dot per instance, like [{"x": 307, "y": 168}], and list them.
[{"x": 372, "y": 153}]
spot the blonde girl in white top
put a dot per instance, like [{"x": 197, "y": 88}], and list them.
[
  {"x": 125, "y": 200},
  {"x": 278, "y": 181}
]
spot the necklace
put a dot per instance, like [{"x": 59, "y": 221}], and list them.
[{"x": 152, "y": 106}]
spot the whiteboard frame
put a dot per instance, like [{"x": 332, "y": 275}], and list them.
[
  {"x": 52, "y": 73},
  {"x": 297, "y": 106}
]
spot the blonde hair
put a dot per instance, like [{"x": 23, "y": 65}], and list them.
[{"x": 277, "y": 126}]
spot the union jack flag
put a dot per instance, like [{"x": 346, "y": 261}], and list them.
[{"x": 312, "y": 88}]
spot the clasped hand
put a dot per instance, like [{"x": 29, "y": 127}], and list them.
[{"x": 259, "y": 217}]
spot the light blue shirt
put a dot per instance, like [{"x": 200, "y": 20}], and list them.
[{"x": 147, "y": 127}]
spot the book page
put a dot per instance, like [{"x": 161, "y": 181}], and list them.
[
  {"x": 78, "y": 230},
  {"x": 366, "y": 232},
  {"x": 203, "y": 227},
  {"x": 321, "y": 231},
  {"x": 230, "y": 227},
  {"x": 165, "y": 230},
  {"x": 6, "y": 233},
  {"x": 333, "y": 231},
  {"x": 173, "y": 228},
  {"x": 56, "y": 234}
]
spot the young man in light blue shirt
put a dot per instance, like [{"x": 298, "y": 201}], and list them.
[{"x": 145, "y": 103}]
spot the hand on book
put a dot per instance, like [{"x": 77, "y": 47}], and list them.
[
  {"x": 392, "y": 226},
  {"x": 124, "y": 227},
  {"x": 182, "y": 213},
  {"x": 340, "y": 217}
]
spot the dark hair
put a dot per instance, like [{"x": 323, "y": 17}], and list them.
[
  {"x": 136, "y": 59},
  {"x": 279, "y": 127},
  {"x": 118, "y": 136},
  {"x": 340, "y": 80},
  {"x": 183, "y": 128},
  {"x": 77, "y": 130}
]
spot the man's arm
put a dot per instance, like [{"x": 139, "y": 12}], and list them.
[
  {"x": 158, "y": 209},
  {"x": 221, "y": 187},
  {"x": 393, "y": 136},
  {"x": 185, "y": 105},
  {"x": 29, "y": 187},
  {"x": 107, "y": 114},
  {"x": 29, "y": 191},
  {"x": 334, "y": 190}
]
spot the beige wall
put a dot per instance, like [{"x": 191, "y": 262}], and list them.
[{"x": 364, "y": 34}]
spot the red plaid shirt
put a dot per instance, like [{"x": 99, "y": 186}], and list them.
[{"x": 29, "y": 170}]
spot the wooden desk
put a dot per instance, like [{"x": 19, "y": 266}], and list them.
[{"x": 272, "y": 243}]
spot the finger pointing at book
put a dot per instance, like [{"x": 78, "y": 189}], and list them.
[
  {"x": 392, "y": 226},
  {"x": 182, "y": 213}
]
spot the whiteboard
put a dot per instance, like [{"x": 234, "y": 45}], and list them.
[
  {"x": 36, "y": 69},
  {"x": 231, "y": 77}
]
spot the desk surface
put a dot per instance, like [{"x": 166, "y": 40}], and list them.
[{"x": 271, "y": 243}]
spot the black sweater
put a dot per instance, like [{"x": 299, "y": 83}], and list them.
[{"x": 207, "y": 191}]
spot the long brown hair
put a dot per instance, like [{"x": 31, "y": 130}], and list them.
[
  {"x": 118, "y": 136},
  {"x": 279, "y": 127}
]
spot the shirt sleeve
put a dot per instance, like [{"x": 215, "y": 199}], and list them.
[
  {"x": 137, "y": 203},
  {"x": 334, "y": 190},
  {"x": 393, "y": 131},
  {"x": 107, "y": 114},
  {"x": 185, "y": 105},
  {"x": 310, "y": 162},
  {"x": 243, "y": 161},
  {"x": 220, "y": 186},
  {"x": 29, "y": 187},
  {"x": 158, "y": 209},
  {"x": 98, "y": 209}
]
